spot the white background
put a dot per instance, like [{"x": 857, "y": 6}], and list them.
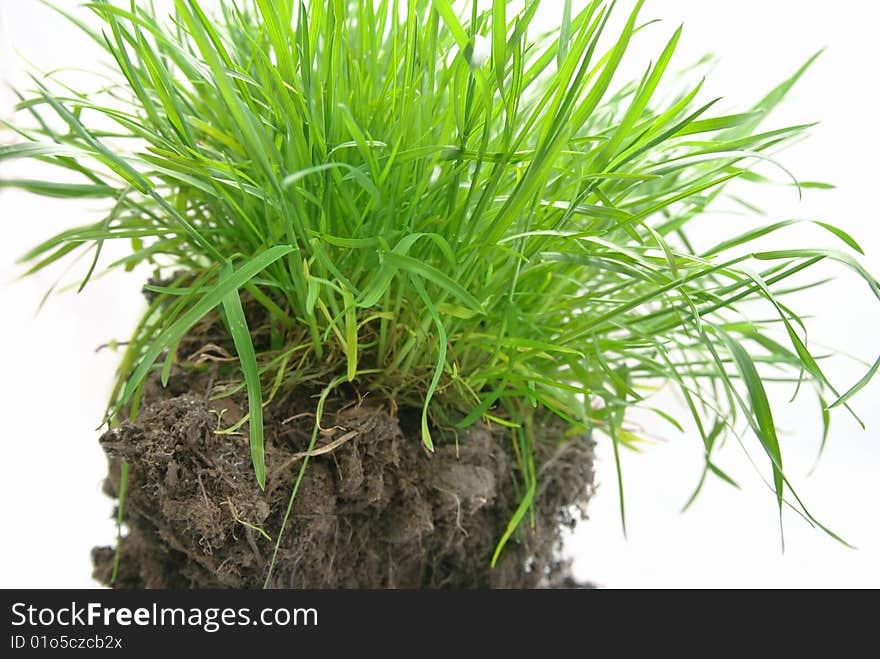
[{"x": 53, "y": 385}]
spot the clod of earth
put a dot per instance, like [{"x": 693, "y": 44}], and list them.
[{"x": 374, "y": 510}]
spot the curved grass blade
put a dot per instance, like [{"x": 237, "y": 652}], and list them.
[
  {"x": 762, "y": 415},
  {"x": 205, "y": 304},
  {"x": 241, "y": 337}
]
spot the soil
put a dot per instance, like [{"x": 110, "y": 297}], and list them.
[{"x": 374, "y": 510}]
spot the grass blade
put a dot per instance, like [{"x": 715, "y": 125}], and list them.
[{"x": 241, "y": 336}]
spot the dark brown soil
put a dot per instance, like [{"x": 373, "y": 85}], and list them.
[{"x": 374, "y": 509}]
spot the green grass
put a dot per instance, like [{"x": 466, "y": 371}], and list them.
[{"x": 499, "y": 241}]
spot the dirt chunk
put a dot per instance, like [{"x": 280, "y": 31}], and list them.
[{"x": 373, "y": 510}]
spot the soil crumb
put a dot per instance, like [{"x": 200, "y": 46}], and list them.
[{"x": 374, "y": 509}]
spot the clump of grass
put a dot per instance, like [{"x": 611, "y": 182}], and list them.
[{"x": 439, "y": 206}]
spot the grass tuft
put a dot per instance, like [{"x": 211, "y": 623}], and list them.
[{"x": 438, "y": 205}]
